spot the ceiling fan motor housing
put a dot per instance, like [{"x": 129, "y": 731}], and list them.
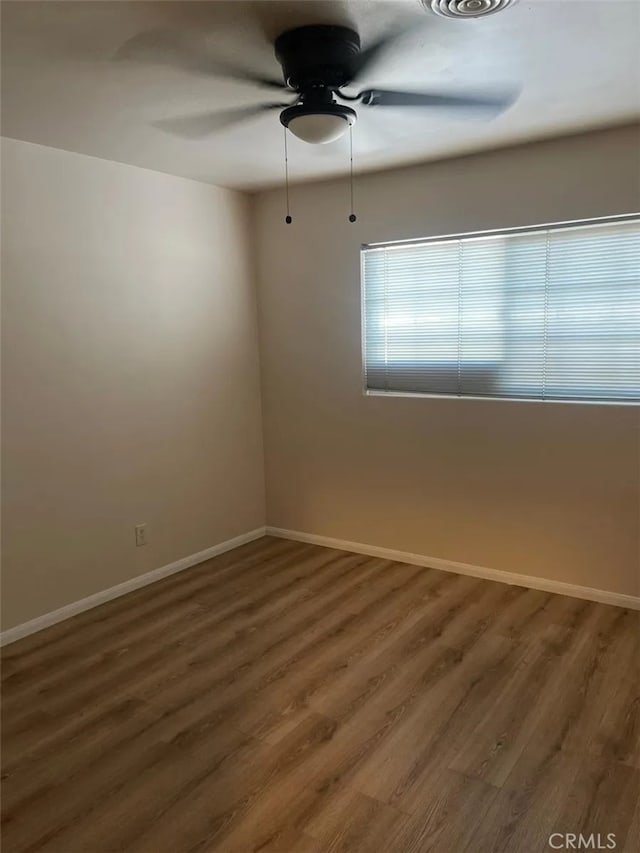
[{"x": 317, "y": 56}]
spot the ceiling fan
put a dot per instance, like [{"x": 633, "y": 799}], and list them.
[{"x": 318, "y": 62}]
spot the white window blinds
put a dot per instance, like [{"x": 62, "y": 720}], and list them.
[{"x": 544, "y": 313}]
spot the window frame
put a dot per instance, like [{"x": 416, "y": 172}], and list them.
[{"x": 492, "y": 232}]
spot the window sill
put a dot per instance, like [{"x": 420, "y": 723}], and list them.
[{"x": 371, "y": 392}]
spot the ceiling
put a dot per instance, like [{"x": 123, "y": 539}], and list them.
[{"x": 575, "y": 61}]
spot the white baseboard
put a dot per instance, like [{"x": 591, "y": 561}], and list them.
[
  {"x": 546, "y": 585},
  {"x": 69, "y": 610}
]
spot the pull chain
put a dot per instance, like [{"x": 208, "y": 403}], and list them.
[
  {"x": 352, "y": 216},
  {"x": 287, "y": 218}
]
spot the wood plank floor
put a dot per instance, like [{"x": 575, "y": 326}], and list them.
[{"x": 286, "y": 697}]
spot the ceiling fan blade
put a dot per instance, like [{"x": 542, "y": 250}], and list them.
[
  {"x": 369, "y": 56},
  {"x": 388, "y": 98},
  {"x": 204, "y": 124},
  {"x": 188, "y": 53}
]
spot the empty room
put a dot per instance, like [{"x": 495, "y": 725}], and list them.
[{"x": 320, "y": 426}]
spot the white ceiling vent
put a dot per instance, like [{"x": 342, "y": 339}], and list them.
[{"x": 466, "y": 8}]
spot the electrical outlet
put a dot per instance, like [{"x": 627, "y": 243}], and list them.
[{"x": 141, "y": 534}]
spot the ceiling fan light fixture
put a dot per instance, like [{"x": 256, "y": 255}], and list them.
[
  {"x": 466, "y": 8},
  {"x": 318, "y": 125}
]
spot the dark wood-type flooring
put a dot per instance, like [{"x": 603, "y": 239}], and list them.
[{"x": 287, "y": 697}]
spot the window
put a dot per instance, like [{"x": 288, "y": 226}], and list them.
[{"x": 545, "y": 313}]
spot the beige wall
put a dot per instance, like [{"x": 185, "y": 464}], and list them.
[
  {"x": 549, "y": 490},
  {"x": 131, "y": 384},
  {"x": 130, "y": 374}
]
